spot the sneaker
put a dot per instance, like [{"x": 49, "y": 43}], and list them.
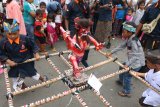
[
  {"x": 123, "y": 94},
  {"x": 118, "y": 82}
]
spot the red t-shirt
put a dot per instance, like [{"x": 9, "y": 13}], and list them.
[{"x": 38, "y": 25}]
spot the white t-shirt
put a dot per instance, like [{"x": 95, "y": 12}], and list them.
[
  {"x": 67, "y": 1},
  {"x": 152, "y": 98},
  {"x": 137, "y": 17},
  {"x": 58, "y": 19}
]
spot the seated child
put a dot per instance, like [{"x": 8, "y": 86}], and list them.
[
  {"x": 15, "y": 49},
  {"x": 149, "y": 97}
]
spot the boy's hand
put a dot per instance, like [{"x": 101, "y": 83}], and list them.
[
  {"x": 125, "y": 66},
  {"x": 37, "y": 56},
  {"x": 11, "y": 63},
  {"x": 109, "y": 54}
]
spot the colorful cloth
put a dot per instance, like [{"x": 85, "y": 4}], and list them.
[
  {"x": 52, "y": 35},
  {"x": 11, "y": 27}
]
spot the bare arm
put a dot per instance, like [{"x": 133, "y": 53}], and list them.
[{"x": 139, "y": 28}]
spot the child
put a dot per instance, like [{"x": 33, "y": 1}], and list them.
[
  {"x": 43, "y": 9},
  {"x": 118, "y": 20},
  {"x": 135, "y": 56},
  {"x": 58, "y": 21},
  {"x": 51, "y": 32},
  {"x": 15, "y": 49},
  {"x": 78, "y": 45},
  {"x": 39, "y": 31},
  {"x": 139, "y": 13},
  {"x": 149, "y": 97},
  {"x": 129, "y": 16}
]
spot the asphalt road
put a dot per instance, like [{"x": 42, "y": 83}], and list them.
[{"x": 109, "y": 89}]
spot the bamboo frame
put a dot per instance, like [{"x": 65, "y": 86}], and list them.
[
  {"x": 81, "y": 101},
  {"x": 70, "y": 91},
  {"x": 95, "y": 92},
  {"x": 65, "y": 93}
]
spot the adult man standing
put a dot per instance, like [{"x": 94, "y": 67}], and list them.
[
  {"x": 150, "y": 14},
  {"x": 104, "y": 25},
  {"x": 76, "y": 8}
]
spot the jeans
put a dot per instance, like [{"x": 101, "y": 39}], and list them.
[
  {"x": 30, "y": 31},
  {"x": 125, "y": 78}
]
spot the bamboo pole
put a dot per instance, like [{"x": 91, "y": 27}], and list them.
[
  {"x": 113, "y": 74},
  {"x": 8, "y": 87},
  {"x": 39, "y": 85},
  {"x": 41, "y": 57},
  {"x": 92, "y": 66}
]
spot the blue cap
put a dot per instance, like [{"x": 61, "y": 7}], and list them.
[{"x": 11, "y": 25}]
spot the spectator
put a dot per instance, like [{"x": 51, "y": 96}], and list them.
[
  {"x": 44, "y": 10},
  {"x": 139, "y": 13},
  {"x": 76, "y": 8},
  {"x": 150, "y": 14},
  {"x": 51, "y": 32},
  {"x": 118, "y": 20},
  {"x": 39, "y": 31},
  {"x": 53, "y": 7},
  {"x": 13, "y": 11},
  {"x": 129, "y": 15},
  {"x": 104, "y": 25},
  {"x": 95, "y": 15},
  {"x": 29, "y": 17}
]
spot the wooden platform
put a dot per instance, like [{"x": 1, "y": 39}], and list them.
[{"x": 79, "y": 82}]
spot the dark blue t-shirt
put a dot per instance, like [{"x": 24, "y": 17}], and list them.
[
  {"x": 105, "y": 14},
  {"x": 150, "y": 14}
]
